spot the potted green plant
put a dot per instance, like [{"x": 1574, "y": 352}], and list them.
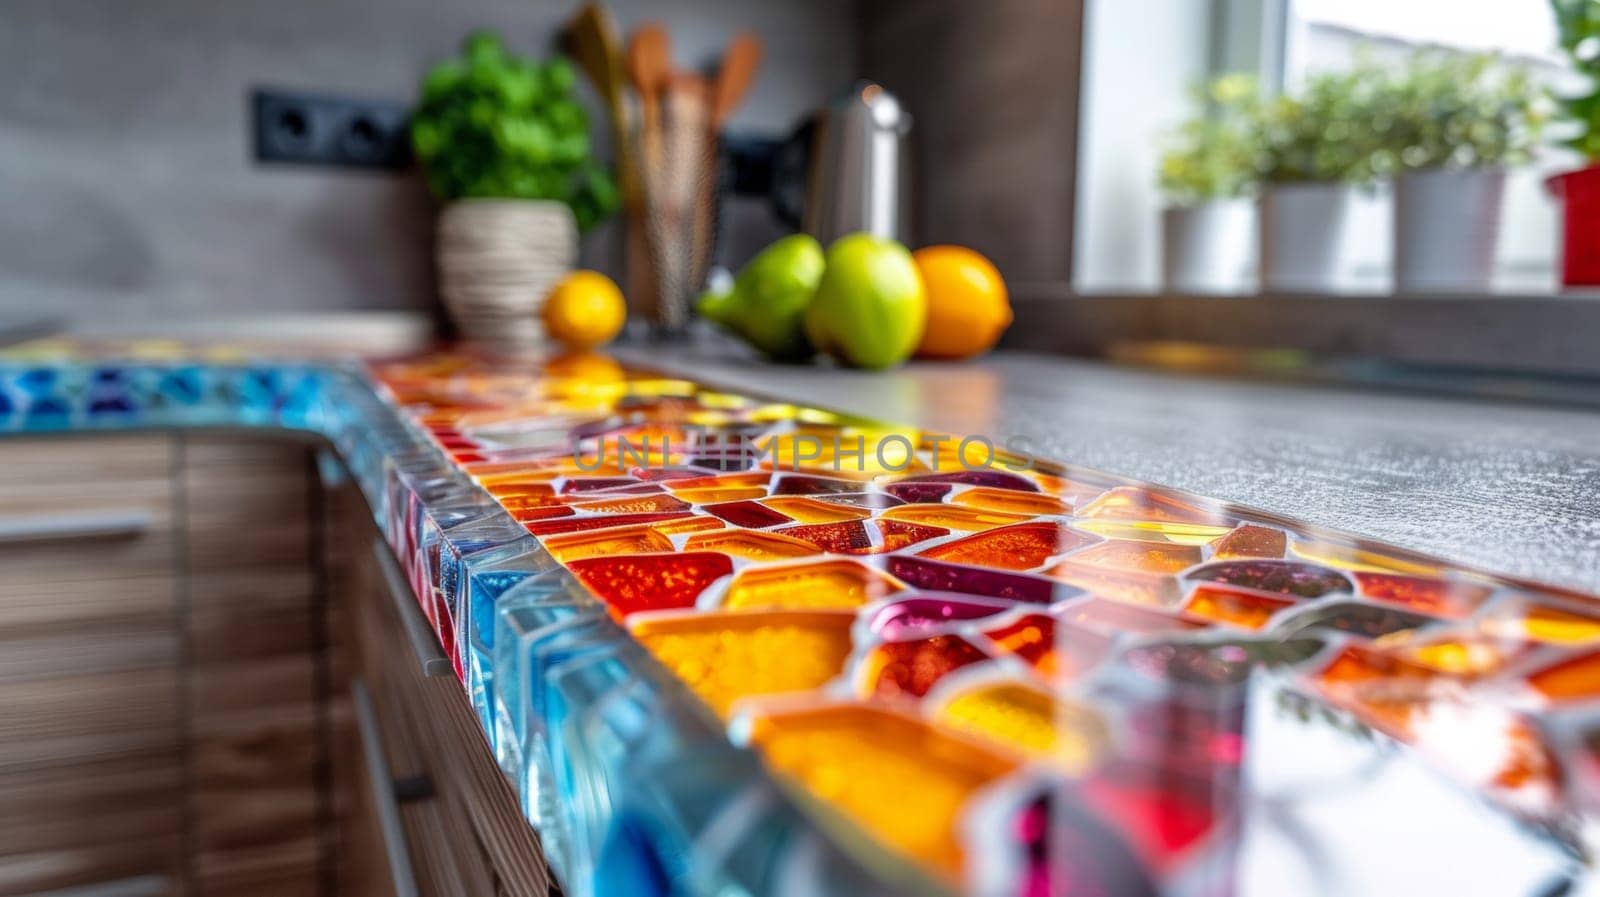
[
  {"x": 1207, "y": 174},
  {"x": 1314, "y": 148},
  {"x": 1449, "y": 124},
  {"x": 1578, "y": 23},
  {"x": 505, "y": 144}
]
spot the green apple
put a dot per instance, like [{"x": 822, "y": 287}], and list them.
[
  {"x": 870, "y": 307},
  {"x": 767, "y": 303}
]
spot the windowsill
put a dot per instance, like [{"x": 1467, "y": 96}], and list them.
[{"x": 1549, "y": 334}]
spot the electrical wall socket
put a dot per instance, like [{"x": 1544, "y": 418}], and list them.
[{"x": 307, "y": 129}]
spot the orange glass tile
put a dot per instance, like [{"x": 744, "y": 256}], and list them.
[
  {"x": 1133, "y": 503},
  {"x": 631, "y": 583},
  {"x": 1011, "y": 501},
  {"x": 711, "y": 494},
  {"x": 599, "y": 521},
  {"x": 1456, "y": 654},
  {"x": 1438, "y": 597},
  {"x": 900, "y": 779},
  {"x": 753, "y": 544},
  {"x": 637, "y": 504},
  {"x": 627, "y": 540},
  {"x": 1030, "y": 721},
  {"x": 1250, "y": 541},
  {"x": 863, "y": 536},
  {"x": 540, "y": 512},
  {"x": 1235, "y": 607},
  {"x": 1136, "y": 557},
  {"x": 1021, "y": 546},
  {"x": 1541, "y": 623},
  {"x": 1571, "y": 679},
  {"x": 724, "y": 657},
  {"x": 910, "y": 668},
  {"x": 814, "y": 585},
  {"x": 1071, "y": 491},
  {"x": 696, "y": 523},
  {"x": 951, "y": 517},
  {"x": 809, "y": 510},
  {"x": 720, "y": 481},
  {"x": 1356, "y": 665}
]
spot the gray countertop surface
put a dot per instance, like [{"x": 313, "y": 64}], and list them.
[{"x": 1511, "y": 488}]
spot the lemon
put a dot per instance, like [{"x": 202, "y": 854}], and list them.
[{"x": 584, "y": 310}]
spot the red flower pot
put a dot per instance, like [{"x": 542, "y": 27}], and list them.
[{"x": 1580, "y": 255}]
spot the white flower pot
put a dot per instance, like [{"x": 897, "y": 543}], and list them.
[
  {"x": 498, "y": 259},
  {"x": 1303, "y": 236},
  {"x": 1207, "y": 248},
  {"x": 1447, "y": 229}
]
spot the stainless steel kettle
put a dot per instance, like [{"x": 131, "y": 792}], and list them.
[
  {"x": 847, "y": 168},
  {"x": 860, "y": 173}
]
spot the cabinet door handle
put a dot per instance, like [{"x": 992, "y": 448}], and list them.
[
  {"x": 424, "y": 644},
  {"x": 383, "y": 791},
  {"x": 24, "y": 528}
]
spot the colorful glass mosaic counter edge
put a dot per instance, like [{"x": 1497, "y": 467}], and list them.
[
  {"x": 461, "y": 552},
  {"x": 659, "y": 772}
]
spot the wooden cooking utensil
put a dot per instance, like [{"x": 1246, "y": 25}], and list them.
[
  {"x": 675, "y": 208},
  {"x": 734, "y": 77},
  {"x": 649, "y": 67}
]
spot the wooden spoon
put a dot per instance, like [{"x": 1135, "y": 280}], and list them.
[
  {"x": 734, "y": 77},
  {"x": 649, "y": 65}
]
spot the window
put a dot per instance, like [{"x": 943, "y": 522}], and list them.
[{"x": 1324, "y": 35}]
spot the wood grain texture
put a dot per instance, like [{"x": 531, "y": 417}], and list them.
[
  {"x": 994, "y": 130},
  {"x": 255, "y": 705},
  {"x": 90, "y": 734}
]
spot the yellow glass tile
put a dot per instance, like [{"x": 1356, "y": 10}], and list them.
[
  {"x": 1357, "y": 559},
  {"x": 1134, "y": 503},
  {"x": 825, "y": 584},
  {"x": 1029, "y": 721},
  {"x": 711, "y": 495},
  {"x": 1551, "y": 625},
  {"x": 752, "y": 544},
  {"x": 895, "y": 776},
  {"x": 1011, "y": 501},
  {"x": 724, "y": 657},
  {"x": 627, "y": 540},
  {"x": 1176, "y": 533},
  {"x": 952, "y": 517},
  {"x": 809, "y": 510}
]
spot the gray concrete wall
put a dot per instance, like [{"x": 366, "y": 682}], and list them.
[{"x": 127, "y": 187}]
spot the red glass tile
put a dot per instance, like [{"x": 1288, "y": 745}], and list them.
[
  {"x": 1283, "y": 577},
  {"x": 1438, "y": 597},
  {"x": 937, "y": 576},
  {"x": 896, "y": 669},
  {"x": 748, "y": 514},
  {"x": 651, "y": 581}
]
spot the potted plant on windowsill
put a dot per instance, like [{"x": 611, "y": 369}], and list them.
[
  {"x": 1578, "y": 23},
  {"x": 503, "y": 141},
  {"x": 1315, "y": 147},
  {"x": 1449, "y": 126},
  {"x": 1207, "y": 175}
]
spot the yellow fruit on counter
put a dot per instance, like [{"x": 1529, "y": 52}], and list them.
[
  {"x": 584, "y": 310},
  {"x": 967, "y": 304}
]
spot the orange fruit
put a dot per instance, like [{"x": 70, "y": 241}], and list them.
[{"x": 967, "y": 304}]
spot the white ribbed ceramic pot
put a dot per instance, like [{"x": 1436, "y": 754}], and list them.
[
  {"x": 1302, "y": 230},
  {"x": 1447, "y": 229},
  {"x": 498, "y": 259},
  {"x": 1207, "y": 248}
]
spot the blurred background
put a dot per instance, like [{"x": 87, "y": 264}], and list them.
[{"x": 138, "y": 179}]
